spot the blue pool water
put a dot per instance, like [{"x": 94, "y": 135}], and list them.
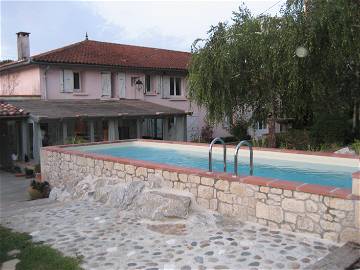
[{"x": 326, "y": 175}]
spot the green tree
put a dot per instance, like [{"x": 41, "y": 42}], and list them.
[
  {"x": 303, "y": 64},
  {"x": 242, "y": 68}
]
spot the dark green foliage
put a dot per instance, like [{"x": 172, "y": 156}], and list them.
[
  {"x": 43, "y": 187},
  {"x": 330, "y": 128},
  {"x": 239, "y": 130},
  {"x": 251, "y": 66},
  {"x": 37, "y": 168},
  {"x": 10, "y": 241},
  {"x": 32, "y": 255},
  {"x": 206, "y": 134}
]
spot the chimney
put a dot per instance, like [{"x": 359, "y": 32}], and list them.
[{"x": 23, "y": 45}]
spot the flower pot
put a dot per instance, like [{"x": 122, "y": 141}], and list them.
[
  {"x": 38, "y": 177},
  {"x": 34, "y": 193}
]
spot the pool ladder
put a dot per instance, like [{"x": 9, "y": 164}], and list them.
[
  {"x": 218, "y": 139},
  {"x": 210, "y": 152},
  {"x": 236, "y": 157}
]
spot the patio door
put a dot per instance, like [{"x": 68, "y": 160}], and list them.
[{"x": 122, "y": 93}]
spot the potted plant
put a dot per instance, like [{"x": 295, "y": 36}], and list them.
[
  {"x": 29, "y": 173},
  {"x": 37, "y": 170},
  {"x": 38, "y": 190}
]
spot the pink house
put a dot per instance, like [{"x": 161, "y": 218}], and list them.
[{"x": 84, "y": 88}]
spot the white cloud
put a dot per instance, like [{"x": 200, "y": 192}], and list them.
[{"x": 167, "y": 23}]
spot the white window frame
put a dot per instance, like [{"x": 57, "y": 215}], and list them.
[
  {"x": 63, "y": 81},
  {"x": 77, "y": 90},
  {"x": 175, "y": 89}
]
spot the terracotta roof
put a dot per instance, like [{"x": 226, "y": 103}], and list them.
[
  {"x": 7, "y": 110},
  {"x": 102, "y": 53},
  {"x": 57, "y": 109}
]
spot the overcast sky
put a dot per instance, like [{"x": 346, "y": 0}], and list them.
[{"x": 162, "y": 24}]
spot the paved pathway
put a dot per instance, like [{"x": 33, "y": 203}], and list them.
[
  {"x": 14, "y": 195},
  {"x": 12, "y": 189},
  {"x": 111, "y": 239}
]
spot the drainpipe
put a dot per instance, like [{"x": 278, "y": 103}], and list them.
[{"x": 45, "y": 86}]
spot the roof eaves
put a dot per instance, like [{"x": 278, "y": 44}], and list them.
[
  {"x": 107, "y": 66},
  {"x": 16, "y": 64}
]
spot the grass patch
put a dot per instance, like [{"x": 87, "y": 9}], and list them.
[{"x": 33, "y": 256}]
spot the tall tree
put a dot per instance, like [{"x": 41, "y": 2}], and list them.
[{"x": 303, "y": 64}]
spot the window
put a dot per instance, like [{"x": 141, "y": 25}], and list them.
[
  {"x": 262, "y": 125},
  {"x": 76, "y": 81},
  {"x": 69, "y": 81},
  {"x": 175, "y": 86},
  {"x": 148, "y": 83}
]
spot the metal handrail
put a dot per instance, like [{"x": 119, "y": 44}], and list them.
[
  {"x": 251, "y": 157},
  {"x": 210, "y": 152}
]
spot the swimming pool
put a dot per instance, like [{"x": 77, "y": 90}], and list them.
[{"x": 324, "y": 171}]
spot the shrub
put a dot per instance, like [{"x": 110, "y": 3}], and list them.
[
  {"x": 206, "y": 134},
  {"x": 298, "y": 139},
  {"x": 356, "y": 147},
  {"x": 330, "y": 129},
  {"x": 239, "y": 130}
]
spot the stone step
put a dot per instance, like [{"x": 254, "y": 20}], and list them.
[{"x": 341, "y": 258}]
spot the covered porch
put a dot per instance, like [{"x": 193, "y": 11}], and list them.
[{"x": 79, "y": 121}]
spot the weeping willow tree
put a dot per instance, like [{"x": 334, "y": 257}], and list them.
[{"x": 301, "y": 64}]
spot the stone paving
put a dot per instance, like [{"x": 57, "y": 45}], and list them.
[{"x": 108, "y": 238}]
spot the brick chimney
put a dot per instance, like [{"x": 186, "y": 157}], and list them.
[{"x": 23, "y": 45}]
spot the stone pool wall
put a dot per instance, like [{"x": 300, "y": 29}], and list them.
[{"x": 330, "y": 214}]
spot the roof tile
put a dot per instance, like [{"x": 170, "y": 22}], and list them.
[{"x": 102, "y": 53}]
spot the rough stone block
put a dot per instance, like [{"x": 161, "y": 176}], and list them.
[
  {"x": 222, "y": 185},
  {"x": 213, "y": 204},
  {"x": 238, "y": 189},
  {"x": 194, "y": 179},
  {"x": 129, "y": 169},
  {"x": 288, "y": 193},
  {"x": 225, "y": 208},
  {"x": 304, "y": 223},
  {"x": 206, "y": 192},
  {"x": 350, "y": 234},
  {"x": 293, "y": 205},
  {"x": 301, "y": 195},
  {"x": 225, "y": 197},
  {"x": 108, "y": 165},
  {"x": 207, "y": 181},
  {"x": 140, "y": 171},
  {"x": 329, "y": 226},
  {"x": 340, "y": 204},
  {"x": 311, "y": 206},
  {"x": 290, "y": 217},
  {"x": 183, "y": 177},
  {"x": 158, "y": 205},
  {"x": 203, "y": 202},
  {"x": 119, "y": 167},
  {"x": 269, "y": 212},
  {"x": 122, "y": 196},
  {"x": 276, "y": 191}
]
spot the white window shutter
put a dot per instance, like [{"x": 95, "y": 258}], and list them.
[
  {"x": 159, "y": 84},
  {"x": 106, "y": 83},
  {"x": 68, "y": 81},
  {"x": 166, "y": 87},
  {"x": 122, "y": 85},
  {"x": 61, "y": 80}
]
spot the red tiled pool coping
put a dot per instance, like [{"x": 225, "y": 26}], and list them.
[{"x": 252, "y": 180}]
